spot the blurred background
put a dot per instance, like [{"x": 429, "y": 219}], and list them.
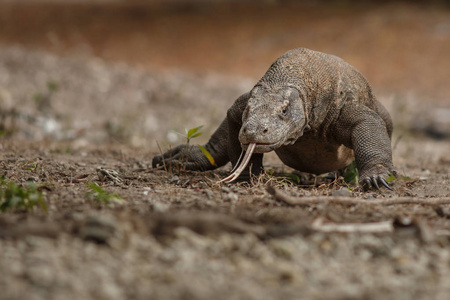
[{"x": 128, "y": 71}]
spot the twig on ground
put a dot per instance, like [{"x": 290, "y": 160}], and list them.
[
  {"x": 383, "y": 226},
  {"x": 80, "y": 178},
  {"x": 204, "y": 223},
  {"x": 283, "y": 197},
  {"x": 163, "y": 160}
]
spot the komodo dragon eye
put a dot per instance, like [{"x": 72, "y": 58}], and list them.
[{"x": 285, "y": 107}]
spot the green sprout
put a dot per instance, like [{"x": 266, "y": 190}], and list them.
[
  {"x": 100, "y": 196},
  {"x": 392, "y": 177},
  {"x": 294, "y": 178},
  {"x": 13, "y": 196},
  {"x": 33, "y": 168},
  {"x": 52, "y": 86},
  {"x": 190, "y": 133},
  {"x": 193, "y": 133}
]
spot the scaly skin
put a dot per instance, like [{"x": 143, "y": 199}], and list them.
[{"x": 317, "y": 112}]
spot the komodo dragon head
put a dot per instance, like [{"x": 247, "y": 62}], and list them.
[{"x": 273, "y": 117}]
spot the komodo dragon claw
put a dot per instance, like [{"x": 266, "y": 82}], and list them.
[
  {"x": 373, "y": 181},
  {"x": 385, "y": 184}
]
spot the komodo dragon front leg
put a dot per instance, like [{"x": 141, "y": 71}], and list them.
[
  {"x": 190, "y": 157},
  {"x": 224, "y": 146},
  {"x": 362, "y": 129}
]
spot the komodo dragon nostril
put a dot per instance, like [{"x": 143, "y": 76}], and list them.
[{"x": 266, "y": 130}]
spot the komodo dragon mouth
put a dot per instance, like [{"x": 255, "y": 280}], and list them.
[{"x": 241, "y": 163}]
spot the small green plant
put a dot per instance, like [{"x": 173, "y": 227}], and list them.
[
  {"x": 351, "y": 174},
  {"x": 294, "y": 178},
  {"x": 33, "y": 168},
  {"x": 190, "y": 133},
  {"x": 392, "y": 177},
  {"x": 193, "y": 133},
  {"x": 13, "y": 196},
  {"x": 52, "y": 86},
  {"x": 100, "y": 196}
]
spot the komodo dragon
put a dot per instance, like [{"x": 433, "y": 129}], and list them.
[{"x": 317, "y": 112}]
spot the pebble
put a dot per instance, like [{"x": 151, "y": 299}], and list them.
[
  {"x": 33, "y": 179},
  {"x": 174, "y": 179},
  {"x": 344, "y": 192},
  {"x": 159, "y": 206},
  {"x": 230, "y": 197},
  {"x": 99, "y": 228},
  {"x": 209, "y": 194}
]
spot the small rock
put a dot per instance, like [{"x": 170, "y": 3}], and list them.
[
  {"x": 174, "y": 179},
  {"x": 99, "y": 228},
  {"x": 33, "y": 179},
  {"x": 168, "y": 257},
  {"x": 282, "y": 248},
  {"x": 225, "y": 189},
  {"x": 230, "y": 197},
  {"x": 371, "y": 196},
  {"x": 344, "y": 192},
  {"x": 403, "y": 221},
  {"x": 209, "y": 194},
  {"x": 146, "y": 190},
  {"x": 443, "y": 212},
  {"x": 160, "y": 207}
]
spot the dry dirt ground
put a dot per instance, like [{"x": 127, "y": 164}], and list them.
[{"x": 67, "y": 122}]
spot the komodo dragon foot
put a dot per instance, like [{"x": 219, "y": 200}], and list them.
[
  {"x": 374, "y": 177},
  {"x": 187, "y": 157}
]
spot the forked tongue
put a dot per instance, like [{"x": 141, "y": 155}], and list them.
[{"x": 240, "y": 165}]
